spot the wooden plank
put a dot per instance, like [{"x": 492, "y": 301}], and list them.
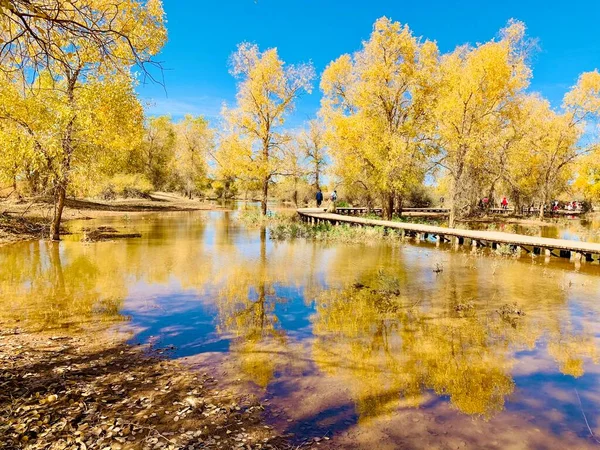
[{"x": 495, "y": 236}]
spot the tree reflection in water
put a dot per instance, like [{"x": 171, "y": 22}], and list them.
[
  {"x": 47, "y": 287},
  {"x": 246, "y": 312},
  {"x": 391, "y": 347}
]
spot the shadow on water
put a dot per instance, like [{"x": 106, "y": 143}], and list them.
[{"x": 341, "y": 338}]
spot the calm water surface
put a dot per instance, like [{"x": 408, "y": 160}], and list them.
[{"x": 365, "y": 343}]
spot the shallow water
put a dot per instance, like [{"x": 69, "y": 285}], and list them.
[{"x": 365, "y": 343}]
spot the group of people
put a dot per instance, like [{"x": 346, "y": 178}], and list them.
[
  {"x": 485, "y": 203},
  {"x": 319, "y": 197},
  {"x": 569, "y": 206}
]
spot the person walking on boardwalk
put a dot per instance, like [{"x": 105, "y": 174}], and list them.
[
  {"x": 319, "y": 198},
  {"x": 504, "y": 203},
  {"x": 333, "y": 198}
]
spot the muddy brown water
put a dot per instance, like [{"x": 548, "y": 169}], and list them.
[{"x": 373, "y": 346}]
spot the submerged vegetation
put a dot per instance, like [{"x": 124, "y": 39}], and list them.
[
  {"x": 285, "y": 226},
  {"x": 329, "y": 233}
]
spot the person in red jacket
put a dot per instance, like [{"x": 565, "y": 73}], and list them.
[{"x": 504, "y": 203}]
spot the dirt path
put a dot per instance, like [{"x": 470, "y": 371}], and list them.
[{"x": 30, "y": 218}]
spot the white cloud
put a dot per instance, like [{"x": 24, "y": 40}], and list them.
[{"x": 209, "y": 107}]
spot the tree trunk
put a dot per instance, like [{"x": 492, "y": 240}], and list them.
[
  {"x": 265, "y": 197},
  {"x": 518, "y": 204},
  {"x": 544, "y": 200},
  {"x": 317, "y": 177},
  {"x": 491, "y": 193},
  {"x": 542, "y": 204},
  {"x": 454, "y": 197},
  {"x": 59, "y": 204},
  {"x": 296, "y": 192},
  {"x": 388, "y": 206},
  {"x": 67, "y": 145}
]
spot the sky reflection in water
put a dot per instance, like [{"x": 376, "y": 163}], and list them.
[{"x": 356, "y": 338}]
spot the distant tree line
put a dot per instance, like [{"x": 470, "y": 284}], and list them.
[{"x": 399, "y": 121}]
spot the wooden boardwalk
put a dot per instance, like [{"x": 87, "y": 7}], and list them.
[
  {"x": 575, "y": 250},
  {"x": 536, "y": 211},
  {"x": 431, "y": 212}
]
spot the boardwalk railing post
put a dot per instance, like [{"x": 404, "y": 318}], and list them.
[{"x": 455, "y": 242}]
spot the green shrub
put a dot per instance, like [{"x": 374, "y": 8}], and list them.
[{"x": 328, "y": 233}]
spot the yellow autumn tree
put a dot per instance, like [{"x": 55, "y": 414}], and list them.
[
  {"x": 587, "y": 182},
  {"x": 543, "y": 164},
  {"x": 553, "y": 149},
  {"x": 156, "y": 155},
  {"x": 44, "y": 34},
  {"x": 293, "y": 185},
  {"x": 108, "y": 125},
  {"x": 477, "y": 85},
  {"x": 15, "y": 148},
  {"x": 95, "y": 42},
  {"x": 376, "y": 107},
  {"x": 312, "y": 142},
  {"x": 194, "y": 143},
  {"x": 583, "y": 101},
  {"x": 251, "y": 148}
]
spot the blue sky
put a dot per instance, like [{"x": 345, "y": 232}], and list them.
[{"x": 204, "y": 33}]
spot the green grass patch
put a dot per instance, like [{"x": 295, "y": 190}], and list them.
[{"x": 326, "y": 232}]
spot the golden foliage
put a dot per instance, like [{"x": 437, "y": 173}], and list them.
[
  {"x": 377, "y": 108},
  {"x": 252, "y": 146}
]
